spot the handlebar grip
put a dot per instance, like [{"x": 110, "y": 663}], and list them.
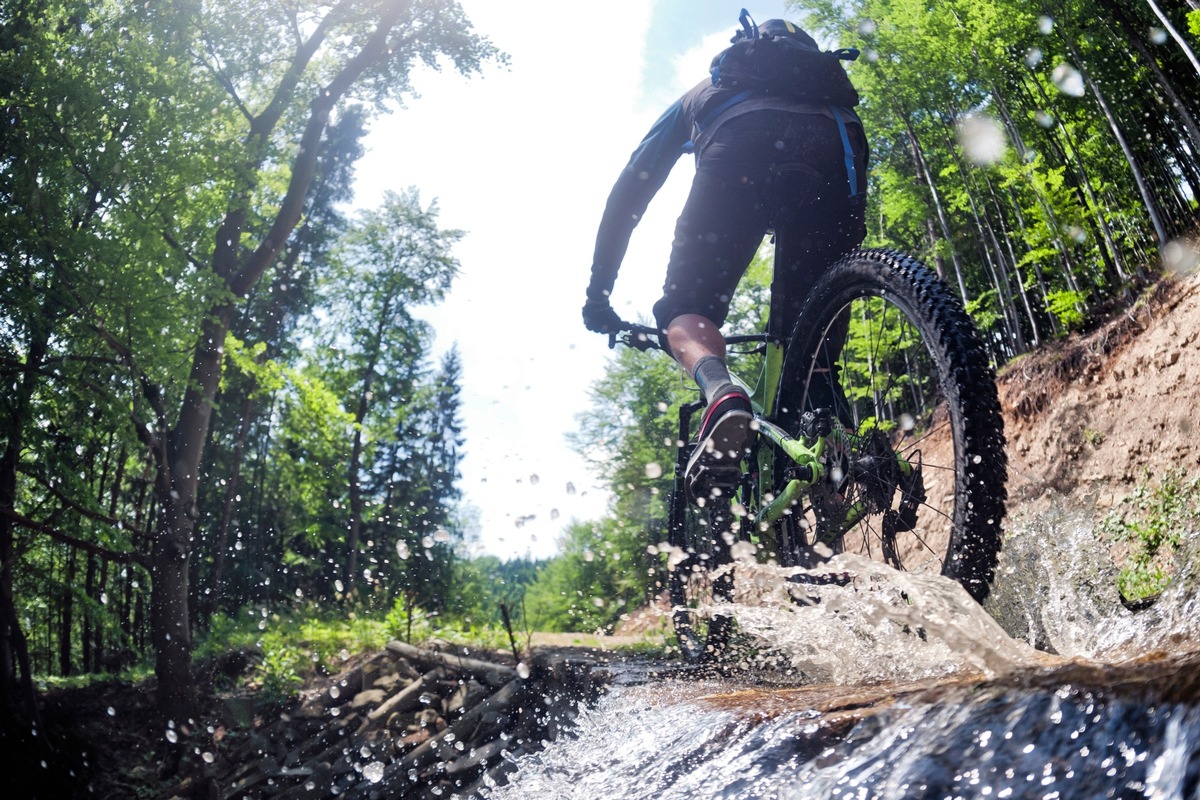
[{"x": 639, "y": 337}]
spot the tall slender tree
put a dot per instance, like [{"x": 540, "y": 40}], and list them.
[{"x": 157, "y": 165}]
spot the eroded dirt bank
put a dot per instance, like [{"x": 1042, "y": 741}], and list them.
[{"x": 1090, "y": 417}]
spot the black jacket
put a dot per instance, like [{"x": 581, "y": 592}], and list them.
[{"x": 685, "y": 127}]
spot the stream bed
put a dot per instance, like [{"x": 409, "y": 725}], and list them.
[{"x": 897, "y": 685}]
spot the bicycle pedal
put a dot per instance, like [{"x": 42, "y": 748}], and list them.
[{"x": 704, "y": 478}]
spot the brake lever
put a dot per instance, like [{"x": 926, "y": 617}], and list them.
[{"x": 632, "y": 336}]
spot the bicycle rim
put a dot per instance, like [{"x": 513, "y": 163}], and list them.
[{"x": 915, "y": 468}]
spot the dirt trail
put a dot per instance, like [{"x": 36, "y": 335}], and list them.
[{"x": 1090, "y": 417}]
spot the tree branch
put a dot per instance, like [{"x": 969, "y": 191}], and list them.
[
  {"x": 305, "y": 164},
  {"x": 77, "y": 508},
  {"x": 87, "y": 547},
  {"x": 269, "y": 118}
]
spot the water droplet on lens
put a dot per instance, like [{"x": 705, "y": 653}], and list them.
[
  {"x": 1068, "y": 80},
  {"x": 373, "y": 772},
  {"x": 982, "y": 140}
]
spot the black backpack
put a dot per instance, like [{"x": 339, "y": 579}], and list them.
[{"x": 779, "y": 58}]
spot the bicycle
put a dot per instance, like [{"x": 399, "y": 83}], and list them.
[{"x": 878, "y": 431}]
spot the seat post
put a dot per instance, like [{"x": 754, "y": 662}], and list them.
[{"x": 777, "y": 321}]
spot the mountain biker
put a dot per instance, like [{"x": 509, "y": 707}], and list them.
[{"x": 764, "y": 160}]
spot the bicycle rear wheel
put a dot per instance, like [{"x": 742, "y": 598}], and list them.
[
  {"x": 915, "y": 466},
  {"x": 699, "y": 572}
]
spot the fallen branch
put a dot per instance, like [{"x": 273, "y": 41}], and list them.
[{"x": 489, "y": 673}]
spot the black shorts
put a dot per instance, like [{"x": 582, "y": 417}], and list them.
[{"x": 763, "y": 170}]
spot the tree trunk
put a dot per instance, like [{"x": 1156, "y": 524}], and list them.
[
  {"x": 98, "y": 654},
  {"x": 1179, "y": 40},
  {"x": 1134, "y": 38},
  {"x": 360, "y": 415},
  {"x": 1139, "y": 178},
  {"x": 993, "y": 256},
  {"x": 89, "y": 583},
  {"x": 212, "y": 600},
  {"x": 926, "y": 177},
  {"x": 16, "y": 681},
  {"x": 68, "y": 621},
  {"x": 1098, "y": 218},
  {"x": 179, "y": 452},
  {"x": 1007, "y": 236}
]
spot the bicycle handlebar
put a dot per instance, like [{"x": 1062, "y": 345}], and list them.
[
  {"x": 639, "y": 337},
  {"x": 643, "y": 337}
]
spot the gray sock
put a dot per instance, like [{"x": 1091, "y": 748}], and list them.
[{"x": 712, "y": 376}]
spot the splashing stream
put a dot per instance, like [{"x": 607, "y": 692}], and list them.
[{"x": 892, "y": 684}]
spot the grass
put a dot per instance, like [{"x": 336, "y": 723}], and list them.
[
  {"x": 294, "y": 644},
  {"x": 1152, "y": 522},
  {"x": 288, "y": 646}
]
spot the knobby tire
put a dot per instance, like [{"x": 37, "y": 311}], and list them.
[
  {"x": 699, "y": 576},
  {"x": 884, "y": 344}
]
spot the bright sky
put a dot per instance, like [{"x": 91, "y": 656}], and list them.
[{"x": 523, "y": 160}]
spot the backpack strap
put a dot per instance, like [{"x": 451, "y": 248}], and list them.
[
  {"x": 713, "y": 115},
  {"x": 851, "y": 169},
  {"x": 749, "y": 27}
]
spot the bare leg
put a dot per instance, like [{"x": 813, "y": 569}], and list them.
[
  {"x": 724, "y": 432},
  {"x": 692, "y": 337}
]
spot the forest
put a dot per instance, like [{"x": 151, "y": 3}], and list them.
[{"x": 218, "y": 401}]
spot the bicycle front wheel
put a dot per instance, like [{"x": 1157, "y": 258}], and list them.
[{"x": 889, "y": 366}]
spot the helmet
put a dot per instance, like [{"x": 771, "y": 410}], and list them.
[
  {"x": 782, "y": 29},
  {"x": 779, "y": 29}
]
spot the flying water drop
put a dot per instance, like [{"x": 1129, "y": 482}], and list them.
[{"x": 1068, "y": 80}]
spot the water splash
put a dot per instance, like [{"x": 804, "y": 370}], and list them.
[
  {"x": 924, "y": 693},
  {"x": 1056, "y": 589},
  {"x": 1040, "y": 736},
  {"x": 854, "y": 620}
]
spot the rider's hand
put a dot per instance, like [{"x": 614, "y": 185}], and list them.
[{"x": 599, "y": 317}]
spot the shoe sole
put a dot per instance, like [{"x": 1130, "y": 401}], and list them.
[{"x": 719, "y": 455}]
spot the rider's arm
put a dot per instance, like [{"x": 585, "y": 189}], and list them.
[{"x": 645, "y": 174}]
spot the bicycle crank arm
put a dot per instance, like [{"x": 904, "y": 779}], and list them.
[{"x": 791, "y": 494}]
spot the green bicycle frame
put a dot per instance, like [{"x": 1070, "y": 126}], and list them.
[{"x": 806, "y": 456}]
